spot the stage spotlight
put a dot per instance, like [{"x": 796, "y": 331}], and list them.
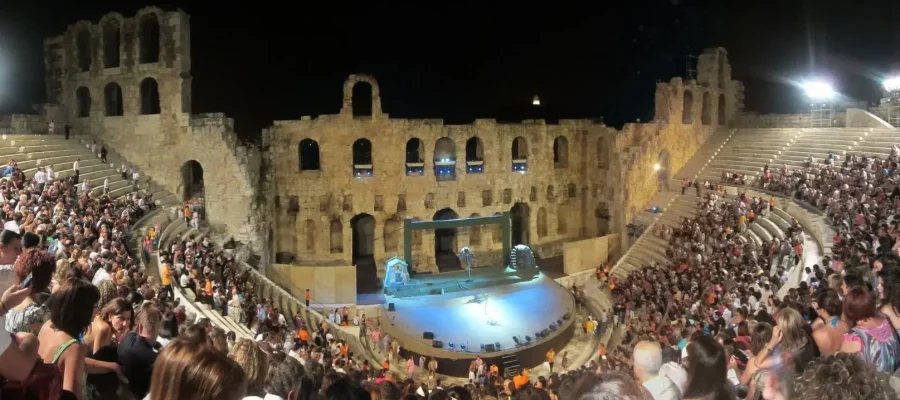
[
  {"x": 516, "y": 339},
  {"x": 450, "y": 345},
  {"x": 462, "y": 347},
  {"x": 497, "y": 346},
  {"x": 818, "y": 90},
  {"x": 892, "y": 84}
]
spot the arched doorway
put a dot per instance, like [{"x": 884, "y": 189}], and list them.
[
  {"x": 192, "y": 180},
  {"x": 520, "y": 217},
  {"x": 362, "y": 228},
  {"x": 687, "y": 108},
  {"x": 445, "y": 243},
  {"x": 706, "y": 111},
  {"x": 445, "y": 159},
  {"x": 721, "y": 114},
  {"x": 603, "y": 218},
  {"x": 362, "y": 99},
  {"x": 662, "y": 174}
]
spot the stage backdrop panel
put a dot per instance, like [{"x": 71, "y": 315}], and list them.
[
  {"x": 587, "y": 254},
  {"x": 328, "y": 284}
]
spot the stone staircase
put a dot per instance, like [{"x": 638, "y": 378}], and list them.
[{"x": 34, "y": 151}]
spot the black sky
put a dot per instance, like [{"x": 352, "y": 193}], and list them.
[{"x": 260, "y": 62}]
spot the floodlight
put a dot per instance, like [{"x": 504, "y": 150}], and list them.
[
  {"x": 818, "y": 90},
  {"x": 656, "y": 167},
  {"x": 536, "y": 101},
  {"x": 892, "y": 84}
]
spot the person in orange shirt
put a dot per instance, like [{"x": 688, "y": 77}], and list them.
[
  {"x": 495, "y": 370},
  {"x": 307, "y": 298},
  {"x": 165, "y": 276},
  {"x": 345, "y": 350},
  {"x": 386, "y": 365},
  {"x": 303, "y": 335},
  {"x": 551, "y": 357}
]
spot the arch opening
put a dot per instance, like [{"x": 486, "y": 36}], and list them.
[
  {"x": 415, "y": 163},
  {"x": 706, "y": 110},
  {"x": 721, "y": 115},
  {"x": 687, "y": 108},
  {"x": 444, "y": 159},
  {"x": 83, "y": 102},
  {"x": 308, "y": 152},
  {"x": 474, "y": 155},
  {"x": 562, "y": 221},
  {"x": 309, "y": 230},
  {"x": 112, "y": 96},
  {"x": 362, "y": 158},
  {"x": 601, "y": 213},
  {"x": 560, "y": 152},
  {"x": 112, "y": 35},
  {"x": 520, "y": 223},
  {"x": 520, "y": 154},
  {"x": 362, "y": 99},
  {"x": 149, "y": 97},
  {"x": 445, "y": 242},
  {"x": 362, "y": 229},
  {"x": 192, "y": 180},
  {"x": 83, "y": 48},
  {"x": 336, "y": 236},
  {"x": 287, "y": 239},
  {"x": 149, "y": 39}
]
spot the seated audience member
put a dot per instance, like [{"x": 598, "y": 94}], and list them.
[
  {"x": 873, "y": 338},
  {"x": 841, "y": 377},
  {"x": 828, "y": 329},
  {"x": 706, "y": 367},
  {"x": 255, "y": 364},
  {"x": 610, "y": 386},
  {"x": 647, "y": 361},
  {"x": 188, "y": 370},
  {"x": 137, "y": 352}
]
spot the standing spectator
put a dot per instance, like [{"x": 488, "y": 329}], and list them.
[
  {"x": 51, "y": 126},
  {"x": 103, "y": 153},
  {"x": 68, "y": 130}
]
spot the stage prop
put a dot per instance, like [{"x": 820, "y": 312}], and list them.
[
  {"x": 522, "y": 261},
  {"x": 503, "y": 220},
  {"x": 396, "y": 273},
  {"x": 467, "y": 256}
]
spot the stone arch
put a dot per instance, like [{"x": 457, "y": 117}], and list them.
[
  {"x": 415, "y": 150},
  {"x": 308, "y": 154},
  {"x": 474, "y": 233},
  {"x": 542, "y": 222},
  {"x": 372, "y": 103},
  {"x": 521, "y": 215},
  {"x": 112, "y": 99},
  {"x": 474, "y": 149},
  {"x": 519, "y": 148},
  {"x": 721, "y": 115},
  {"x": 192, "y": 180},
  {"x": 550, "y": 195},
  {"x": 83, "y": 49},
  {"x": 560, "y": 152},
  {"x": 149, "y": 37},
  {"x": 392, "y": 232},
  {"x": 309, "y": 231},
  {"x": 362, "y": 227},
  {"x": 445, "y": 242},
  {"x": 706, "y": 110},
  {"x": 337, "y": 236},
  {"x": 562, "y": 221},
  {"x": 687, "y": 108},
  {"x": 149, "y": 97},
  {"x": 287, "y": 239},
  {"x": 83, "y": 102},
  {"x": 496, "y": 232},
  {"x": 111, "y": 25},
  {"x": 444, "y": 159},
  {"x": 362, "y": 152},
  {"x": 602, "y": 153},
  {"x": 601, "y": 213},
  {"x": 362, "y": 99}
]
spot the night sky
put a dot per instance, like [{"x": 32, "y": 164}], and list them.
[{"x": 460, "y": 62}]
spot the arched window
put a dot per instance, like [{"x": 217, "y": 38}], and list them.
[
  {"x": 542, "y": 222},
  {"x": 83, "y": 46},
  {"x": 149, "y": 96},
  {"x": 519, "y": 154},
  {"x": 149, "y": 38},
  {"x": 602, "y": 154},
  {"x": 687, "y": 108},
  {"x": 308, "y": 152},
  {"x": 310, "y": 230},
  {"x": 562, "y": 221},
  {"x": 112, "y": 98},
  {"x": 706, "y": 111},
  {"x": 444, "y": 159},
  {"x": 560, "y": 152},
  {"x": 721, "y": 115},
  {"x": 362, "y": 99},
  {"x": 112, "y": 35},
  {"x": 83, "y": 102},
  {"x": 415, "y": 164},
  {"x": 572, "y": 190},
  {"x": 474, "y": 155},
  {"x": 550, "y": 195},
  {"x": 362, "y": 158},
  {"x": 337, "y": 237}
]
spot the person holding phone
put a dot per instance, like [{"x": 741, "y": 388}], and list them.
[{"x": 34, "y": 269}]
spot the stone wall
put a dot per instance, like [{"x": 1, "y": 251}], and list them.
[
  {"x": 753, "y": 120},
  {"x": 136, "y": 99}
]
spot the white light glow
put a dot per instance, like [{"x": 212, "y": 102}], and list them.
[
  {"x": 656, "y": 167},
  {"x": 536, "y": 101},
  {"x": 892, "y": 84},
  {"x": 818, "y": 90}
]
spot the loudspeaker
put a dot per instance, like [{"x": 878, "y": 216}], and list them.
[
  {"x": 516, "y": 339},
  {"x": 489, "y": 347},
  {"x": 567, "y": 316},
  {"x": 552, "y": 327},
  {"x": 527, "y": 339},
  {"x": 428, "y": 335},
  {"x": 497, "y": 346},
  {"x": 391, "y": 307},
  {"x": 451, "y": 345},
  {"x": 559, "y": 322},
  {"x": 438, "y": 344}
]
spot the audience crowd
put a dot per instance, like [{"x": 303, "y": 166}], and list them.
[{"x": 729, "y": 315}]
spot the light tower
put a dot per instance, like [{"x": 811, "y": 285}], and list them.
[
  {"x": 821, "y": 107},
  {"x": 892, "y": 87}
]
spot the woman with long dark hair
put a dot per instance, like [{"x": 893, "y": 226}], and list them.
[
  {"x": 706, "y": 367},
  {"x": 873, "y": 338}
]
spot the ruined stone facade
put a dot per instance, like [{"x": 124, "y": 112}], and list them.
[
  {"x": 127, "y": 81},
  {"x": 564, "y": 182},
  {"x": 326, "y": 187}
]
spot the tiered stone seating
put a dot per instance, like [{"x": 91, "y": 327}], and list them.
[{"x": 34, "y": 151}]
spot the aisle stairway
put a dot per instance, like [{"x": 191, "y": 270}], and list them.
[{"x": 34, "y": 151}]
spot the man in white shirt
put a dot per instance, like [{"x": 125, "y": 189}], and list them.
[
  {"x": 40, "y": 178},
  {"x": 647, "y": 361},
  {"x": 75, "y": 166}
]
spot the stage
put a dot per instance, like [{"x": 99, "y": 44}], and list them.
[{"x": 495, "y": 306}]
